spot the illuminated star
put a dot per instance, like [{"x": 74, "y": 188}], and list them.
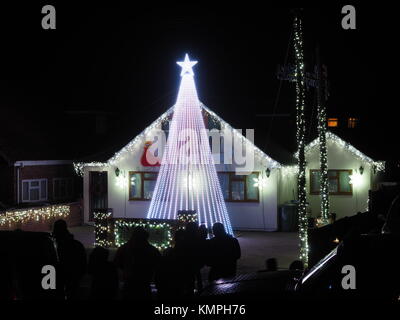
[{"x": 186, "y": 66}]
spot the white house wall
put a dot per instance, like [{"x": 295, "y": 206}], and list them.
[{"x": 287, "y": 186}]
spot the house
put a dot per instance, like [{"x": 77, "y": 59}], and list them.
[
  {"x": 31, "y": 182},
  {"x": 249, "y": 206},
  {"x": 252, "y": 200},
  {"x": 351, "y": 175},
  {"x": 252, "y": 190}
]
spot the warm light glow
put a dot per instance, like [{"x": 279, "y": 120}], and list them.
[
  {"x": 120, "y": 181},
  {"x": 259, "y": 182},
  {"x": 187, "y": 179},
  {"x": 355, "y": 179},
  {"x": 352, "y": 122},
  {"x": 19, "y": 216},
  {"x": 333, "y": 122}
]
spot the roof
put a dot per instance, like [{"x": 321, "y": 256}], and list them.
[
  {"x": 97, "y": 160},
  {"x": 357, "y": 153}
]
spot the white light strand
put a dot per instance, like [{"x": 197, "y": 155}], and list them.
[
  {"x": 79, "y": 166},
  {"x": 12, "y": 217},
  {"x": 300, "y": 136},
  {"x": 379, "y": 165},
  {"x": 323, "y": 155}
]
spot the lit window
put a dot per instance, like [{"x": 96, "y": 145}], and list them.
[
  {"x": 352, "y": 122},
  {"x": 141, "y": 185},
  {"x": 333, "y": 122},
  {"x": 339, "y": 182},
  {"x": 239, "y": 188}
]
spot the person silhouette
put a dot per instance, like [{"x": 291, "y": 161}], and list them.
[
  {"x": 137, "y": 259},
  {"x": 104, "y": 275},
  {"x": 296, "y": 265},
  {"x": 169, "y": 276},
  {"x": 223, "y": 253},
  {"x": 71, "y": 261},
  {"x": 192, "y": 253},
  {"x": 203, "y": 235}
]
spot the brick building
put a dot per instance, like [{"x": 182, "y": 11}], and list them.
[{"x": 35, "y": 182}]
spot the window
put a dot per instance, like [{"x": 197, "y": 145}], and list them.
[
  {"x": 352, "y": 123},
  {"x": 141, "y": 185},
  {"x": 339, "y": 182},
  {"x": 62, "y": 188},
  {"x": 34, "y": 190},
  {"x": 333, "y": 122},
  {"x": 238, "y": 188}
]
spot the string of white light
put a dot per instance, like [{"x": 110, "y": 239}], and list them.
[
  {"x": 300, "y": 135},
  {"x": 187, "y": 178}
]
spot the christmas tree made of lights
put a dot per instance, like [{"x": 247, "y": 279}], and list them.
[{"x": 187, "y": 179}]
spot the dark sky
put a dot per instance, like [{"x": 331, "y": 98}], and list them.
[{"x": 121, "y": 59}]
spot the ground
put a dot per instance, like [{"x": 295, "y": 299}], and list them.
[{"x": 256, "y": 247}]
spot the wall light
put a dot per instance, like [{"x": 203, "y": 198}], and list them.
[
  {"x": 268, "y": 172},
  {"x": 117, "y": 171},
  {"x": 355, "y": 179},
  {"x": 361, "y": 170}
]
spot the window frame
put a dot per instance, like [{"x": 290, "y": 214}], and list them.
[
  {"x": 337, "y": 178},
  {"x": 39, "y": 187},
  {"x": 142, "y": 176},
  {"x": 233, "y": 177},
  {"x": 69, "y": 193}
]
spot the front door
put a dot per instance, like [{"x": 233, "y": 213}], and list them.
[{"x": 97, "y": 192}]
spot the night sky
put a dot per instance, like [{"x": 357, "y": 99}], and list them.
[{"x": 121, "y": 60}]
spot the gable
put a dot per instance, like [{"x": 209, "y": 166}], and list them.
[
  {"x": 340, "y": 143},
  {"x": 157, "y": 124}
]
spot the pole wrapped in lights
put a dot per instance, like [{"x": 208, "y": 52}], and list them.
[
  {"x": 300, "y": 137},
  {"x": 323, "y": 156},
  {"x": 187, "y": 179}
]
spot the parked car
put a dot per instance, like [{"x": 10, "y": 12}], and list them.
[
  {"x": 376, "y": 262},
  {"x": 375, "y": 259}
]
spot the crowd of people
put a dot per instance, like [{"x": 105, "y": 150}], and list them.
[{"x": 176, "y": 272}]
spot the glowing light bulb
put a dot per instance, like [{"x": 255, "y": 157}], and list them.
[
  {"x": 355, "y": 179},
  {"x": 120, "y": 181},
  {"x": 259, "y": 182}
]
